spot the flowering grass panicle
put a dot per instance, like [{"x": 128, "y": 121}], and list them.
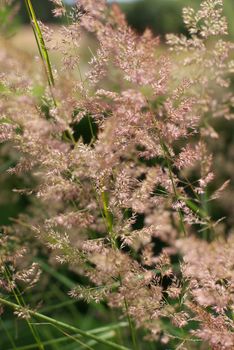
[{"x": 125, "y": 203}]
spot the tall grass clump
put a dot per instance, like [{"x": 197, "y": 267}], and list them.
[{"x": 124, "y": 177}]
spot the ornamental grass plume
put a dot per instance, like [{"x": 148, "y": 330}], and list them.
[{"x": 126, "y": 203}]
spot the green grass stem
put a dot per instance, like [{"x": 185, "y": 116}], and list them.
[
  {"x": 41, "y": 46},
  {"x": 63, "y": 325}
]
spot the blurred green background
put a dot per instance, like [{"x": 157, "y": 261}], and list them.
[{"x": 162, "y": 16}]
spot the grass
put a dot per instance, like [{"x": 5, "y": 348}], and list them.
[
  {"x": 62, "y": 325},
  {"x": 100, "y": 335}
]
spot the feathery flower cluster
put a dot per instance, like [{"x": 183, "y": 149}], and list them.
[{"x": 137, "y": 179}]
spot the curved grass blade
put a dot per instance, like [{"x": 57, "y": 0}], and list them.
[{"x": 63, "y": 325}]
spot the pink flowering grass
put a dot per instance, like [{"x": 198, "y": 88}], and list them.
[{"x": 124, "y": 176}]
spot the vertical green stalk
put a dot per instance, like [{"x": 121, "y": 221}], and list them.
[
  {"x": 109, "y": 219},
  {"x": 41, "y": 46},
  {"x": 167, "y": 157},
  {"x": 130, "y": 322},
  {"x": 20, "y": 301},
  {"x": 132, "y": 327}
]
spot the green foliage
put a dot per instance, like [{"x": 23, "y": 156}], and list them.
[
  {"x": 8, "y": 23},
  {"x": 164, "y": 16},
  {"x": 43, "y": 8}
]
